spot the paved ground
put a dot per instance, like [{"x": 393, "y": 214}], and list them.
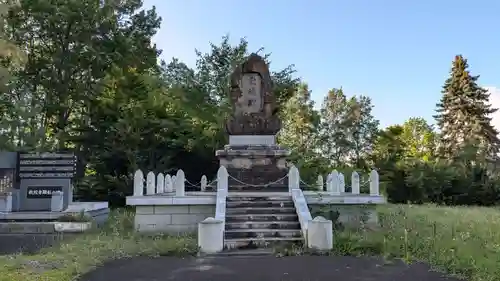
[
  {"x": 310, "y": 268},
  {"x": 27, "y": 243}
]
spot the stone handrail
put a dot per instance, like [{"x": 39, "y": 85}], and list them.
[
  {"x": 302, "y": 209},
  {"x": 211, "y": 230},
  {"x": 222, "y": 190},
  {"x": 299, "y": 200}
]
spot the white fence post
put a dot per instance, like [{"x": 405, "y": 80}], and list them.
[
  {"x": 138, "y": 183},
  {"x": 169, "y": 186},
  {"x": 203, "y": 183},
  {"x": 293, "y": 178},
  {"x": 222, "y": 179},
  {"x": 221, "y": 195},
  {"x": 174, "y": 177},
  {"x": 329, "y": 182},
  {"x": 355, "y": 182},
  {"x": 374, "y": 183},
  {"x": 341, "y": 183},
  {"x": 334, "y": 185},
  {"x": 150, "y": 183},
  {"x": 160, "y": 183},
  {"x": 319, "y": 183},
  {"x": 180, "y": 183}
]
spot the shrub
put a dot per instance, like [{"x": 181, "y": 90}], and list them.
[{"x": 441, "y": 182}]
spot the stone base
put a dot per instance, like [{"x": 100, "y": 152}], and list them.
[
  {"x": 172, "y": 219},
  {"x": 252, "y": 140},
  {"x": 255, "y": 167}
]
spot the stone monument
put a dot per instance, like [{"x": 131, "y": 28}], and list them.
[
  {"x": 31, "y": 178},
  {"x": 40, "y": 175},
  {"x": 252, "y": 156}
]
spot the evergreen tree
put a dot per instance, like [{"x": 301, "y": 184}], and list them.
[{"x": 463, "y": 114}]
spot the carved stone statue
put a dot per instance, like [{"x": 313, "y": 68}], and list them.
[{"x": 253, "y": 103}]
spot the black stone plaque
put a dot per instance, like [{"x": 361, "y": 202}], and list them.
[
  {"x": 41, "y": 191},
  {"x": 46, "y": 165}
]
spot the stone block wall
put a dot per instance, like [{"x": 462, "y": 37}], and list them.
[{"x": 172, "y": 219}]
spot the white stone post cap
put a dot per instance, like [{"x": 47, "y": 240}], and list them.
[
  {"x": 211, "y": 220},
  {"x": 320, "y": 219}
]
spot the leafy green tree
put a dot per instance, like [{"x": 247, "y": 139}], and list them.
[
  {"x": 389, "y": 146},
  {"x": 70, "y": 46},
  {"x": 362, "y": 131},
  {"x": 348, "y": 129},
  {"x": 419, "y": 139},
  {"x": 333, "y": 135},
  {"x": 463, "y": 114},
  {"x": 10, "y": 54},
  {"x": 300, "y": 133},
  {"x": 135, "y": 124}
]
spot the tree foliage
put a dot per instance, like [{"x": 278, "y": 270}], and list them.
[
  {"x": 84, "y": 76},
  {"x": 464, "y": 114}
]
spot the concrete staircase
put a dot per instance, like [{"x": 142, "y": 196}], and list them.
[{"x": 260, "y": 221}]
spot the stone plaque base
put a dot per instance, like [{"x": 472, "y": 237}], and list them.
[
  {"x": 262, "y": 166},
  {"x": 35, "y": 194}
]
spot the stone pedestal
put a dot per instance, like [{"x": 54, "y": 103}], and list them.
[
  {"x": 257, "y": 165},
  {"x": 252, "y": 159}
]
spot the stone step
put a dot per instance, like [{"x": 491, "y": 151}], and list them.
[
  {"x": 260, "y": 217},
  {"x": 260, "y": 204},
  {"x": 253, "y": 242},
  {"x": 27, "y": 227},
  {"x": 263, "y": 224},
  {"x": 234, "y": 186},
  {"x": 254, "y": 198},
  {"x": 262, "y": 233},
  {"x": 251, "y": 210}
]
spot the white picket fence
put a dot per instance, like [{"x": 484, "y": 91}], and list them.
[
  {"x": 335, "y": 183},
  {"x": 160, "y": 183}
]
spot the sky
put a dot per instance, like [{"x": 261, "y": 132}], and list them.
[{"x": 398, "y": 53}]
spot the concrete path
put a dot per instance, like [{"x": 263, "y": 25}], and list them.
[{"x": 305, "y": 268}]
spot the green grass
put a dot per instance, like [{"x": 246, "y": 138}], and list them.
[
  {"x": 76, "y": 256},
  {"x": 463, "y": 241}
]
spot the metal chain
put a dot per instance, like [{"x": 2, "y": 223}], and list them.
[
  {"x": 257, "y": 185},
  {"x": 192, "y": 185},
  {"x": 304, "y": 183},
  {"x": 263, "y": 185}
]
